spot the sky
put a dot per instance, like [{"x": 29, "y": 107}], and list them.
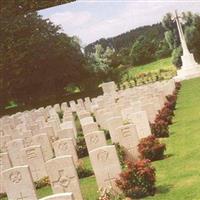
[{"x": 91, "y": 20}]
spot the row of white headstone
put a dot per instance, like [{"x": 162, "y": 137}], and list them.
[{"x": 35, "y": 144}]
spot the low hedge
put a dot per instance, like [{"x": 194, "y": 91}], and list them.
[{"x": 148, "y": 77}]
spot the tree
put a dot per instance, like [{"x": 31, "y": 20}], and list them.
[
  {"x": 123, "y": 44},
  {"x": 36, "y": 60},
  {"x": 192, "y": 33},
  {"x": 172, "y": 38},
  {"x": 25, "y": 6},
  {"x": 191, "y": 28},
  {"x": 143, "y": 50},
  {"x": 102, "y": 64}
]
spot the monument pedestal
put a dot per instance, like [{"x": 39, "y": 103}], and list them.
[{"x": 190, "y": 68}]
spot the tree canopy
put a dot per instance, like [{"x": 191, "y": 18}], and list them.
[
  {"x": 136, "y": 47},
  {"x": 191, "y": 27},
  {"x": 36, "y": 59},
  {"x": 25, "y": 6}
]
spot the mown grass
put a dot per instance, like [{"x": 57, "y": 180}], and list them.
[
  {"x": 157, "y": 65},
  {"x": 178, "y": 176}
]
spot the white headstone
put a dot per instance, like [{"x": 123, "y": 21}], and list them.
[
  {"x": 106, "y": 166},
  {"x": 63, "y": 176},
  {"x": 95, "y": 140},
  {"x": 128, "y": 138},
  {"x": 140, "y": 119},
  {"x": 65, "y": 147},
  {"x": 19, "y": 184},
  {"x": 43, "y": 141},
  {"x": 14, "y": 150},
  {"x": 34, "y": 158},
  {"x": 112, "y": 124}
]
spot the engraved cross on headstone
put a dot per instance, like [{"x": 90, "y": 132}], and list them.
[
  {"x": 21, "y": 197},
  {"x": 131, "y": 150},
  {"x": 63, "y": 180},
  {"x": 110, "y": 180}
]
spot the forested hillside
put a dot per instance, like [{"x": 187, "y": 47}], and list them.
[
  {"x": 126, "y": 40},
  {"x": 138, "y": 46}
]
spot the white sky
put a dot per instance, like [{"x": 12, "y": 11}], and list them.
[{"x": 93, "y": 19}]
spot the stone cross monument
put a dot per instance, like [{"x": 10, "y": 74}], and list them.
[{"x": 190, "y": 68}]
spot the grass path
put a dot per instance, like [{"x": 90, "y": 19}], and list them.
[{"x": 178, "y": 177}]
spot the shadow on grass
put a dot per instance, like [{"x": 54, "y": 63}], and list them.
[
  {"x": 171, "y": 133},
  {"x": 168, "y": 155},
  {"x": 162, "y": 189}
]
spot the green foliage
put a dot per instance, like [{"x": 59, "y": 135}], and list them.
[
  {"x": 148, "y": 77},
  {"x": 12, "y": 104},
  {"x": 22, "y": 6},
  {"x": 121, "y": 154},
  {"x": 42, "y": 183},
  {"x": 102, "y": 65},
  {"x": 83, "y": 172},
  {"x": 192, "y": 33},
  {"x": 36, "y": 60},
  {"x": 81, "y": 147},
  {"x": 139, "y": 46},
  {"x": 71, "y": 88},
  {"x": 176, "y": 56},
  {"x": 146, "y": 49},
  {"x": 121, "y": 43},
  {"x": 191, "y": 29}
]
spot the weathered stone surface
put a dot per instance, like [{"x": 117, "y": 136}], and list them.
[
  {"x": 14, "y": 150},
  {"x": 128, "y": 138},
  {"x": 33, "y": 157},
  {"x": 91, "y": 127},
  {"x": 65, "y": 147},
  {"x": 63, "y": 176},
  {"x": 19, "y": 183},
  {"x": 95, "y": 140},
  {"x": 106, "y": 166},
  {"x": 43, "y": 141},
  {"x": 112, "y": 124}
]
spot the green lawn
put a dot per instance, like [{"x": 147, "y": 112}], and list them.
[
  {"x": 178, "y": 177},
  {"x": 157, "y": 65}
]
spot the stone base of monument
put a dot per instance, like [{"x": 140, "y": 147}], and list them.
[{"x": 189, "y": 70}]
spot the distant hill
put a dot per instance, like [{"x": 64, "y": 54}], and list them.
[{"x": 126, "y": 40}]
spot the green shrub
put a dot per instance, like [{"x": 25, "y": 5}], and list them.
[
  {"x": 176, "y": 57},
  {"x": 42, "y": 182},
  {"x": 121, "y": 154},
  {"x": 83, "y": 172},
  {"x": 81, "y": 147}
]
